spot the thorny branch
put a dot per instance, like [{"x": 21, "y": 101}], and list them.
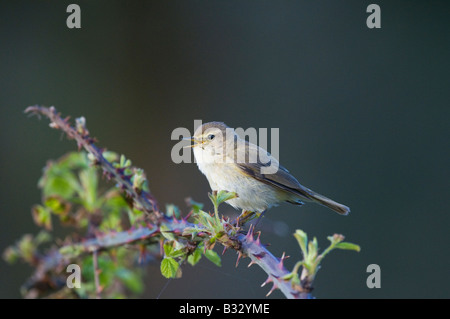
[
  {"x": 144, "y": 199},
  {"x": 245, "y": 245},
  {"x": 229, "y": 236}
]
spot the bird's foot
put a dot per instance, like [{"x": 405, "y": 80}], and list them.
[{"x": 247, "y": 216}]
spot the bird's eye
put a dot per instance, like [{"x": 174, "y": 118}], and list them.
[{"x": 211, "y": 136}]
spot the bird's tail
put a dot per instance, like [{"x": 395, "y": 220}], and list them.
[
  {"x": 306, "y": 193},
  {"x": 322, "y": 200}
]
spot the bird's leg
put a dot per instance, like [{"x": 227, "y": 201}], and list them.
[{"x": 244, "y": 217}]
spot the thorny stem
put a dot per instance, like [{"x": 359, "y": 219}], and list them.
[
  {"x": 216, "y": 212},
  {"x": 246, "y": 245},
  {"x": 273, "y": 266},
  {"x": 81, "y": 135}
]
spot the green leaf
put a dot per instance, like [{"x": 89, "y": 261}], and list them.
[
  {"x": 348, "y": 246},
  {"x": 169, "y": 267},
  {"x": 11, "y": 255},
  {"x": 26, "y": 247},
  {"x": 221, "y": 196},
  {"x": 89, "y": 182},
  {"x": 42, "y": 216},
  {"x": 177, "y": 253},
  {"x": 190, "y": 231},
  {"x": 213, "y": 257},
  {"x": 110, "y": 156},
  {"x": 123, "y": 162},
  {"x": 204, "y": 218},
  {"x": 111, "y": 221},
  {"x": 312, "y": 251},
  {"x": 195, "y": 257},
  {"x": 139, "y": 180},
  {"x": 170, "y": 250},
  {"x": 134, "y": 214},
  {"x": 57, "y": 205},
  {"x": 166, "y": 232},
  {"x": 42, "y": 237},
  {"x": 63, "y": 185},
  {"x": 58, "y": 177},
  {"x": 302, "y": 239},
  {"x": 72, "y": 160}
]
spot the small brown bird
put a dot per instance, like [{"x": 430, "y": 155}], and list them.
[{"x": 233, "y": 164}]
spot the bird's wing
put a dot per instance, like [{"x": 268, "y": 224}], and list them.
[{"x": 281, "y": 179}]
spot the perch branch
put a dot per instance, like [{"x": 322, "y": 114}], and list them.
[
  {"x": 273, "y": 266},
  {"x": 246, "y": 246}
]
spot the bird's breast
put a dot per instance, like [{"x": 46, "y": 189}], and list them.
[{"x": 253, "y": 195}]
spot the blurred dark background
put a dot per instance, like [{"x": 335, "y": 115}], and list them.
[{"x": 363, "y": 117}]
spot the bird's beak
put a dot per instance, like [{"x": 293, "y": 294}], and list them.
[{"x": 192, "y": 139}]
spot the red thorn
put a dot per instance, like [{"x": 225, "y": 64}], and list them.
[
  {"x": 280, "y": 264},
  {"x": 239, "y": 257},
  {"x": 188, "y": 215},
  {"x": 250, "y": 233},
  {"x": 107, "y": 174},
  {"x": 269, "y": 279},
  {"x": 258, "y": 242},
  {"x": 283, "y": 257},
  {"x": 161, "y": 247},
  {"x": 271, "y": 290},
  {"x": 224, "y": 250},
  {"x": 251, "y": 263}
]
